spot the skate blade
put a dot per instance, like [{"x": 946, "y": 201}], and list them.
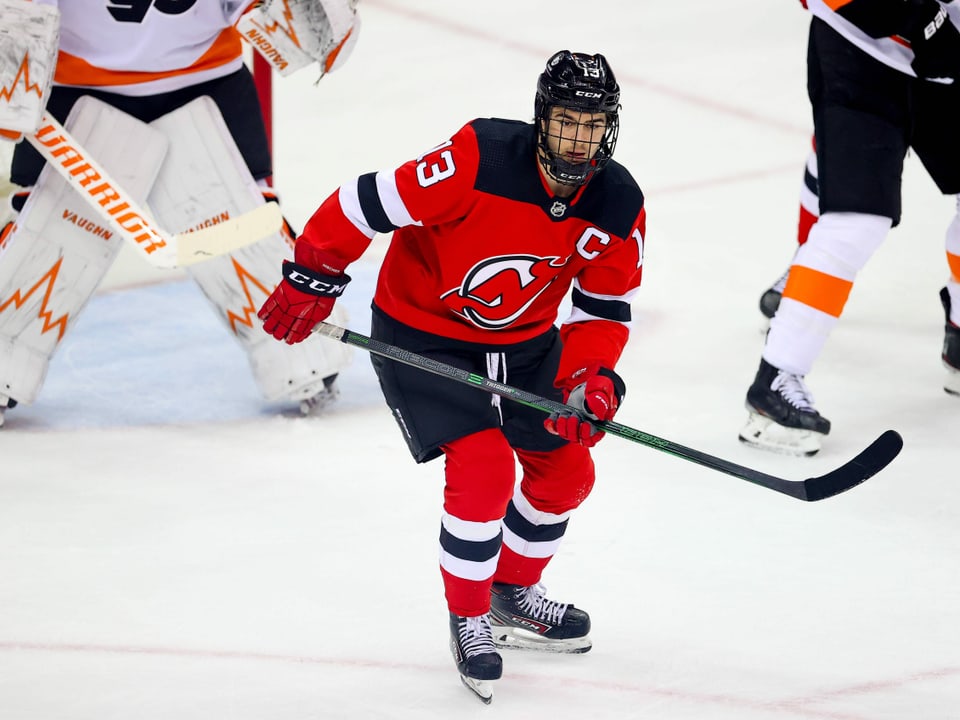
[
  {"x": 763, "y": 433},
  {"x": 951, "y": 385},
  {"x": 317, "y": 404},
  {"x": 483, "y": 689},
  {"x": 510, "y": 638}
]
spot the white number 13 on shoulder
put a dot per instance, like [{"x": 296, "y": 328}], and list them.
[{"x": 430, "y": 171}]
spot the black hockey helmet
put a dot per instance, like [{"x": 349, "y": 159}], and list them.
[{"x": 584, "y": 83}]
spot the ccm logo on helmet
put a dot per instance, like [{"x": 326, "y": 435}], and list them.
[{"x": 586, "y": 94}]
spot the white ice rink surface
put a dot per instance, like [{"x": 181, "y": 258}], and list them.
[{"x": 170, "y": 547}]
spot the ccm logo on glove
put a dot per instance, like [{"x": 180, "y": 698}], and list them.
[
  {"x": 312, "y": 282},
  {"x": 304, "y": 297}
]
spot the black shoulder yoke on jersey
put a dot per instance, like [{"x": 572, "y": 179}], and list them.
[
  {"x": 879, "y": 18},
  {"x": 508, "y": 168}
]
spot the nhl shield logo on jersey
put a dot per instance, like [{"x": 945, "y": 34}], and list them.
[
  {"x": 497, "y": 291},
  {"x": 558, "y": 209}
]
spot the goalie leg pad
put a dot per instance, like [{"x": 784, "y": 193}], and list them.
[
  {"x": 204, "y": 180},
  {"x": 57, "y": 254}
]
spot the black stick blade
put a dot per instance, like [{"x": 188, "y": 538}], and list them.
[{"x": 864, "y": 466}]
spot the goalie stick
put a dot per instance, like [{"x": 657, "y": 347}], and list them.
[
  {"x": 68, "y": 157},
  {"x": 868, "y": 463}
]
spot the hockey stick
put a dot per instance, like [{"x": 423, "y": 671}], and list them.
[
  {"x": 68, "y": 157},
  {"x": 868, "y": 463}
]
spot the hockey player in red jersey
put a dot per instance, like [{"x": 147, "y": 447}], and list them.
[
  {"x": 491, "y": 229},
  {"x": 883, "y": 76}
]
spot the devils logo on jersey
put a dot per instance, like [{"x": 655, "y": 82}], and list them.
[{"x": 497, "y": 291}]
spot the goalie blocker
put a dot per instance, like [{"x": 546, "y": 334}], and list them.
[
  {"x": 187, "y": 168},
  {"x": 293, "y": 34},
  {"x": 29, "y": 38}
]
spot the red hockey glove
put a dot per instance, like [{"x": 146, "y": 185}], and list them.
[
  {"x": 597, "y": 399},
  {"x": 304, "y": 297}
]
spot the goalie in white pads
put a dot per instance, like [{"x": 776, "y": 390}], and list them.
[{"x": 172, "y": 114}]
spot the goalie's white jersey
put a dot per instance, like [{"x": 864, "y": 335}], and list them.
[{"x": 147, "y": 46}]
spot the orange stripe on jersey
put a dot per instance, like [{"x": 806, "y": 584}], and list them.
[
  {"x": 954, "y": 262},
  {"x": 836, "y": 4},
  {"x": 72, "y": 70},
  {"x": 820, "y": 291}
]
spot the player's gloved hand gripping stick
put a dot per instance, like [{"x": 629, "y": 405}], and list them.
[{"x": 596, "y": 398}]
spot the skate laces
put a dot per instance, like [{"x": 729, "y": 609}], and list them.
[
  {"x": 793, "y": 390},
  {"x": 533, "y": 600},
  {"x": 476, "y": 636}
]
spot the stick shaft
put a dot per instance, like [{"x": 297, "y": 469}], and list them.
[
  {"x": 135, "y": 225},
  {"x": 102, "y": 193},
  {"x": 873, "y": 459}
]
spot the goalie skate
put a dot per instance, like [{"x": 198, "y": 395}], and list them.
[
  {"x": 523, "y": 618},
  {"x": 328, "y": 395},
  {"x": 6, "y": 403}
]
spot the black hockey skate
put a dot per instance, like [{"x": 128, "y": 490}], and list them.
[
  {"x": 524, "y": 618},
  {"x": 477, "y": 659},
  {"x": 951, "y": 348},
  {"x": 770, "y": 300},
  {"x": 782, "y": 416}
]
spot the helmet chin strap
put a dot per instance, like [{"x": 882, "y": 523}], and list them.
[{"x": 572, "y": 175}]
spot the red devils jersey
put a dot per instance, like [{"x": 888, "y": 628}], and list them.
[{"x": 483, "y": 253}]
